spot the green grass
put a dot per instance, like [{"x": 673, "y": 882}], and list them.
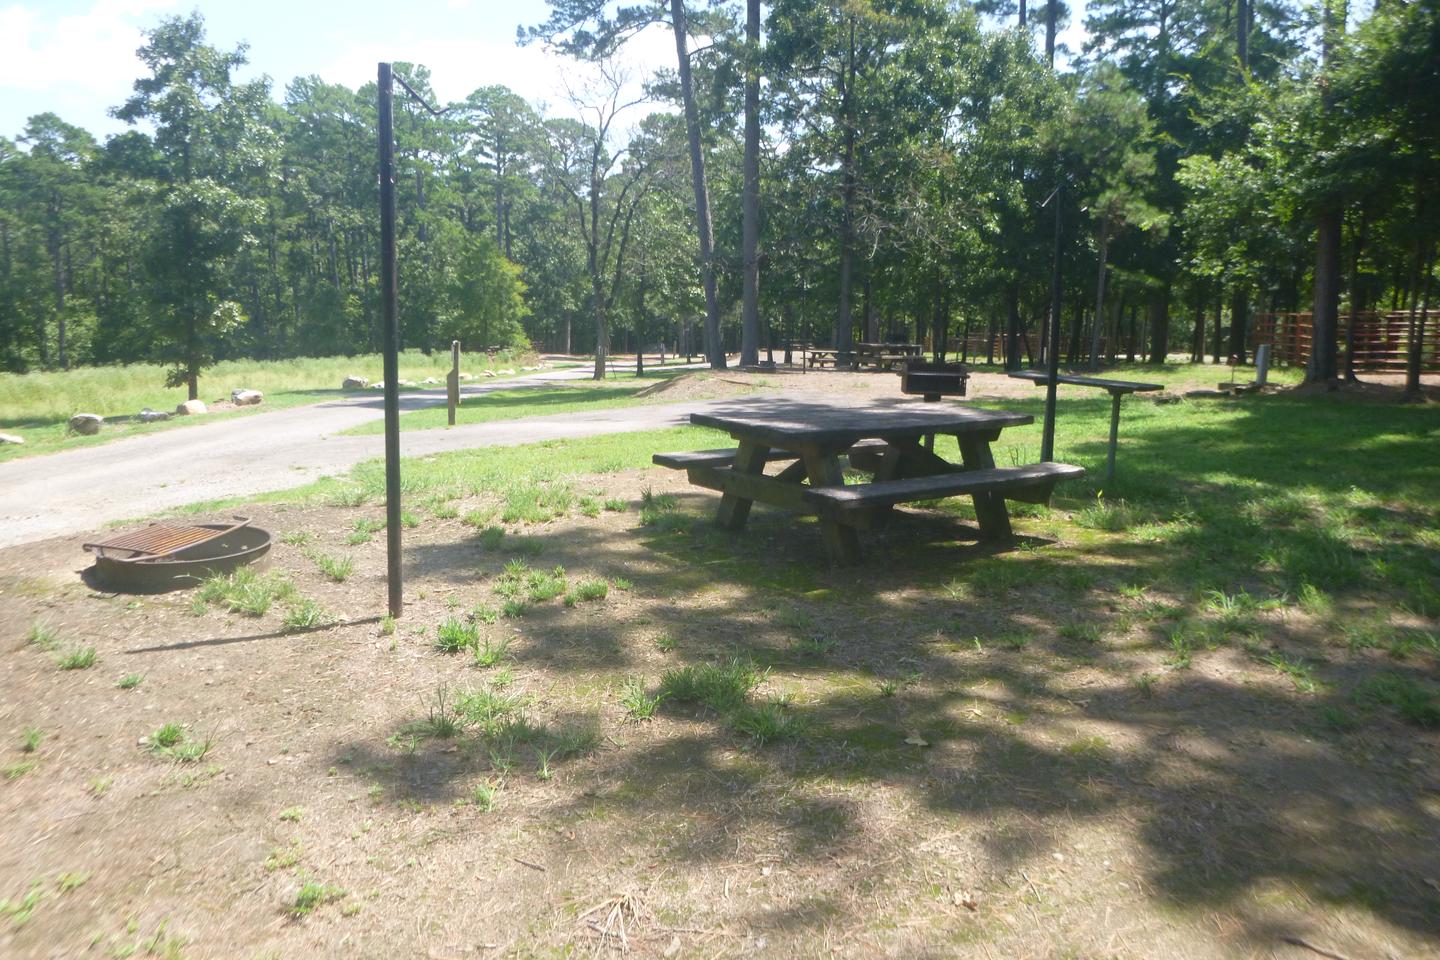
[
  {"x": 312, "y": 896},
  {"x": 244, "y": 591},
  {"x": 453, "y": 635},
  {"x": 721, "y": 687},
  {"x": 76, "y": 658},
  {"x": 173, "y": 742},
  {"x": 305, "y": 615},
  {"x": 37, "y": 406},
  {"x": 639, "y": 705},
  {"x": 337, "y": 568},
  {"x": 587, "y": 590}
]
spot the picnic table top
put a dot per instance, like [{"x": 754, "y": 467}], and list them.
[
  {"x": 1115, "y": 386},
  {"x": 789, "y": 423}
]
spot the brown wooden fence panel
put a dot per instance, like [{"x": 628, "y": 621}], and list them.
[{"x": 1382, "y": 341}]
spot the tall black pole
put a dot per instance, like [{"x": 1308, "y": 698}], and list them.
[
  {"x": 1047, "y": 440},
  {"x": 389, "y": 306}
]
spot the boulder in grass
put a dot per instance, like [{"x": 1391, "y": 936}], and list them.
[
  {"x": 467, "y": 376},
  {"x": 10, "y": 438},
  {"x": 489, "y": 373},
  {"x": 429, "y": 381},
  {"x": 152, "y": 416},
  {"x": 86, "y": 423},
  {"x": 405, "y": 383},
  {"x": 354, "y": 383},
  {"x": 190, "y": 408},
  {"x": 246, "y": 398},
  {"x": 378, "y": 385}
]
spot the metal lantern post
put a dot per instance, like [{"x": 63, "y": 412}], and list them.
[
  {"x": 1047, "y": 438},
  {"x": 389, "y": 308}
]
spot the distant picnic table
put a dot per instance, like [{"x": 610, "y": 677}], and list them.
[
  {"x": 883, "y": 441},
  {"x": 1116, "y": 388}
]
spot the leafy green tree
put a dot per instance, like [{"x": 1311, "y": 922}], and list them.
[
  {"x": 488, "y": 297},
  {"x": 209, "y": 135}
]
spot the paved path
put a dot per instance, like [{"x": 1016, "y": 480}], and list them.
[{"x": 80, "y": 490}]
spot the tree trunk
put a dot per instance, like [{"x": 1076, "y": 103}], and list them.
[
  {"x": 1325, "y": 320},
  {"x": 715, "y": 350},
  {"x": 1239, "y": 322},
  {"x": 1012, "y": 325},
  {"x": 1357, "y": 297},
  {"x": 1103, "y": 245},
  {"x": 602, "y": 331},
  {"x": 1160, "y": 326},
  {"x": 1197, "y": 339},
  {"x": 844, "y": 323},
  {"x": 750, "y": 193},
  {"x": 1052, "y": 12},
  {"x": 1242, "y": 36},
  {"x": 1219, "y": 324}
]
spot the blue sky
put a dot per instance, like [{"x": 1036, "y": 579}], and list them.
[{"x": 76, "y": 58}]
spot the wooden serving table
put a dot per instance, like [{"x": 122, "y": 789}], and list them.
[{"x": 884, "y": 440}]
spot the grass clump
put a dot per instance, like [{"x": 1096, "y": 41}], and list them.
[
  {"x": 1300, "y": 673},
  {"x": 130, "y": 681},
  {"x": 721, "y": 687},
  {"x": 305, "y": 615},
  {"x": 42, "y": 635},
  {"x": 76, "y": 658},
  {"x": 639, "y": 705},
  {"x": 245, "y": 591},
  {"x": 489, "y": 652},
  {"x": 173, "y": 742},
  {"x": 587, "y": 590},
  {"x": 768, "y": 722},
  {"x": 1414, "y": 702},
  {"x": 337, "y": 568},
  {"x": 454, "y": 635},
  {"x": 312, "y": 896},
  {"x": 30, "y": 739}
]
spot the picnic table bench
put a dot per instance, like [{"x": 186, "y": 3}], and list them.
[
  {"x": 885, "y": 441},
  {"x": 1116, "y": 388}
]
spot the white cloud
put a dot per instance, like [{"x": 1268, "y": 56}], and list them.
[{"x": 86, "y": 53}]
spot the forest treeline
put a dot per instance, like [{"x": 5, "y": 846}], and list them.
[{"x": 809, "y": 170}]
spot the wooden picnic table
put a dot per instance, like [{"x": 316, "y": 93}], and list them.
[
  {"x": 1116, "y": 388},
  {"x": 885, "y": 441}
]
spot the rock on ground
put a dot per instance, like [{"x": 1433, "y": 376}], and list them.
[
  {"x": 190, "y": 408},
  {"x": 246, "y": 398},
  {"x": 152, "y": 416},
  {"x": 10, "y": 438},
  {"x": 354, "y": 383},
  {"x": 86, "y": 423}
]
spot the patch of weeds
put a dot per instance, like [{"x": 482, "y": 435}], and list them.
[
  {"x": 296, "y": 538},
  {"x": 491, "y": 537},
  {"x": 99, "y": 786},
  {"x": 30, "y": 739},
  {"x": 1013, "y": 641},
  {"x": 1414, "y": 702},
  {"x": 1235, "y": 612},
  {"x": 616, "y": 505},
  {"x": 527, "y": 546},
  {"x": 887, "y": 687},
  {"x": 1145, "y": 683},
  {"x": 42, "y": 635},
  {"x": 490, "y": 652},
  {"x": 768, "y": 722},
  {"x": 283, "y": 858},
  {"x": 19, "y": 912},
  {"x": 1403, "y": 643},
  {"x": 588, "y": 506},
  {"x": 818, "y": 646},
  {"x": 994, "y": 575},
  {"x": 1088, "y": 748},
  {"x": 620, "y": 583},
  {"x": 292, "y": 814},
  {"x": 1301, "y": 674},
  {"x": 479, "y": 518},
  {"x": 543, "y": 587},
  {"x": 514, "y": 609},
  {"x": 485, "y": 614},
  {"x": 576, "y": 738},
  {"x": 173, "y": 742},
  {"x": 444, "y": 510},
  {"x": 348, "y": 496},
  {"x": 1112, "y": 516},
  {"x": 337, "y": 568},
  {"x": 1339, "y": 719},
  {"x": 442, "y": 720},
  {"x": 409, "y": 520},
  {"x": 246, "y": 591},
  {"x": 18, "y": 769},
  {"x": 542, "y": 764},
  {"x": 586, "y": 591},
  {"x": 721, "y": 687},
  {"x": 664, "y": 642},
  {"x": 482, "y": 796},
  {"x": 1082, "y": 631},
  {"x": 305, "y": 615},
  {"x": 638, "y": 704},
  {"x": 536, "y": 502},
  {"x": 1316, "y": 602},
  {"x": 76, "y": 658},
  {"x": 655, "y": 508},
  {"x": 130, "y": 681},
  {"x": 1180, "y": 648},
  {"x": 488, "y": 710},
  {"x": 67, "y": 882},
  {"x": 454, "y": 635},
  {"x": 312, "y": 896},
  {"x": 387, "y": 626}
]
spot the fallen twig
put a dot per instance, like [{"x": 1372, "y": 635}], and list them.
[{"x": 1301, "y": 942}]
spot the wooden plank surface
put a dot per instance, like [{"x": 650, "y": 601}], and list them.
[
  {"x": 890, "y": 492},
  {"x": 787, "y": 423},
  {"x": 1126, "y": 386}
]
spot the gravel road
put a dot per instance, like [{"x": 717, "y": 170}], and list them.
[{"x": 80, "y": 490}]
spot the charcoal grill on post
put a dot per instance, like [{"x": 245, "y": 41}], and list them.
[
  {"x": 166, "y": 556},
  {"x": 933, "y": 380}
]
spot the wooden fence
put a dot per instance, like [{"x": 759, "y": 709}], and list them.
[{"x": 1382, "y": 341}]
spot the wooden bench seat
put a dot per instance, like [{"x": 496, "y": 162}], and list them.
[
  {"x": 711, "y": 458},
  {"x": 1026, "y": 481}
]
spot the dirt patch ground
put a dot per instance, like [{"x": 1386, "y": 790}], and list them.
[{"x": 948, "y": 753}]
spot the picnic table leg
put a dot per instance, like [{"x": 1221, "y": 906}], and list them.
[
  {"x": 1114, "y": 436},
  {"x": 735, "y": 510},
  {"x": 989, "y": 507},
  {"x": 842, "y": 543}
]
